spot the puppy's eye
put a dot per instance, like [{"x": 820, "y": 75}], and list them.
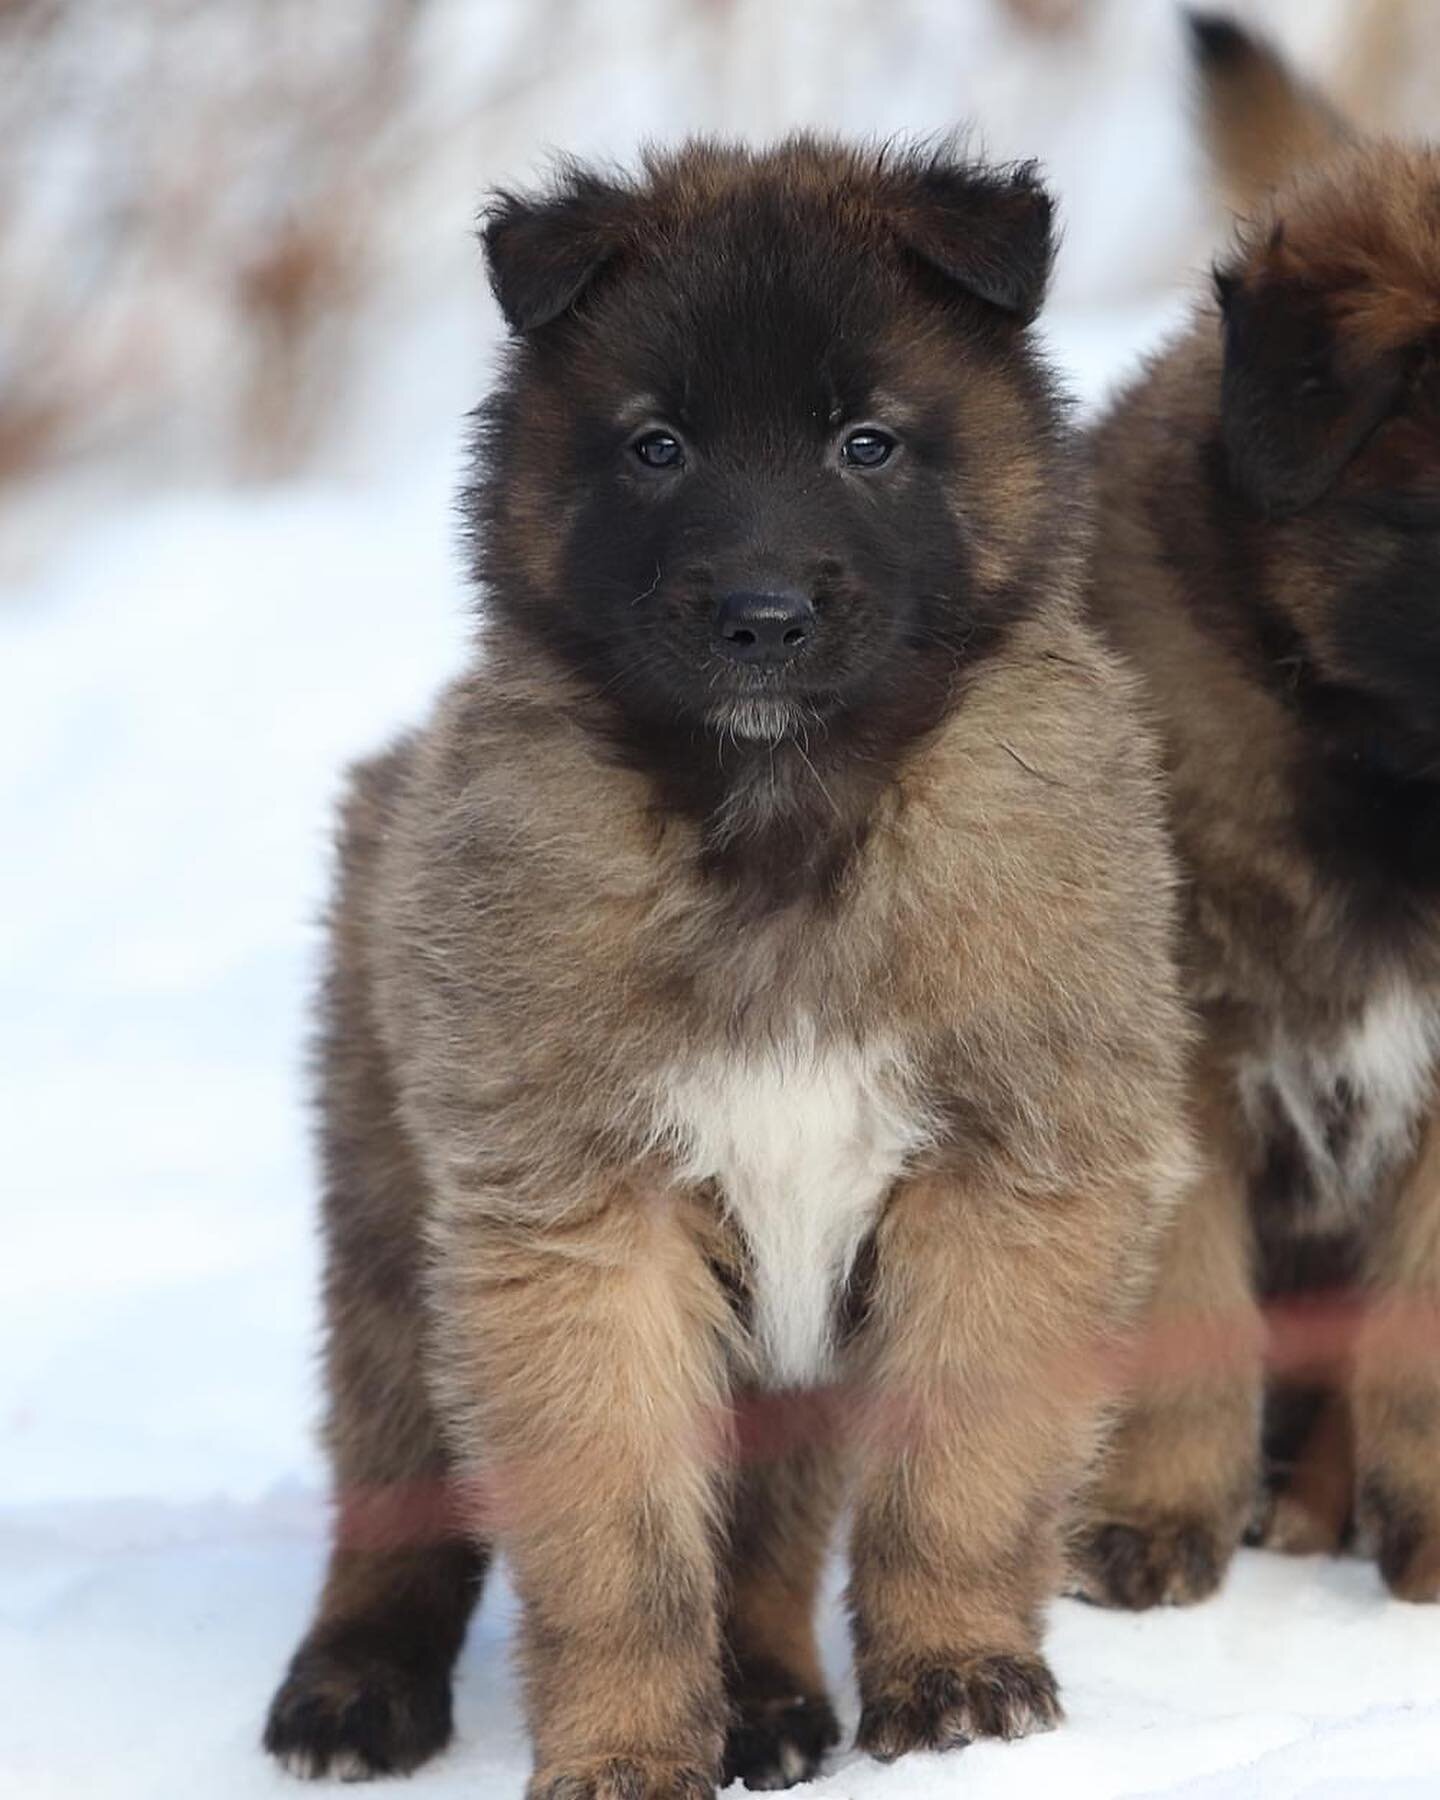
[
  {"x": 867, "y": 449},
  {"x": 1314, "y": 378},
  {"x": 659, "y": 450}
]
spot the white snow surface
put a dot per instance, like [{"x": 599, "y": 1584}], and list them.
[{"x": 181, "y": 680}]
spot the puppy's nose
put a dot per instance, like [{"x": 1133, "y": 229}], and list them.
[{"x": 763, "y": 628}]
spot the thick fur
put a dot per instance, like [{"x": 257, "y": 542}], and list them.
[
  {"x": 1268, "y": 560},
  {"x": 687, "y": 1039}
]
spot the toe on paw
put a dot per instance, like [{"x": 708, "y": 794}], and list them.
[
  {"x": 1164, "y": 1562},
  {"x": 943, "y": 1706},
  {"x": 1406, "y": 1540},
  {"x": 774, "y": 1743},
  {"x": 623, "y": 1778},
  {"x": 354, "y": 1720}
]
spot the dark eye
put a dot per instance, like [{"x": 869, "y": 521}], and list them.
[
  {"x": 867, "y": 449},
  {"x": 658, "y": 450},
  {"x": 1314, "y": 379}
]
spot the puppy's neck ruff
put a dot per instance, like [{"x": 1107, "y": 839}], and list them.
[{"x": 1342, "y": 1114}]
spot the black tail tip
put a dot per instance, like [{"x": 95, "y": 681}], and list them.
[{"x": 1216, "y": 40}]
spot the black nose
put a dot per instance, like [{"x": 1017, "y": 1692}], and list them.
[{"x": 763, "y": 628}]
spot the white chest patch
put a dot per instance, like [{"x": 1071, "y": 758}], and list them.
[
  {"x": 1354, "y": 1104},
  {"x": 803, "y": 1146}
]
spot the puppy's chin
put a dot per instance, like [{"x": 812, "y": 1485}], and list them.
[{"x": 761, "y": 718}]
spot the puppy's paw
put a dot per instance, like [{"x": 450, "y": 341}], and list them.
[
  {"x": 1404, "y": 1538},
  {"x": 1286, "y": 1523},
  {"x": 1163, "y": 1562},
  {"x": 777, "y": 1740},
  {"x": 622, "y": 1778},
  {"x": 943, "y": 1706},
  {"x": 355, "y": 1716}
]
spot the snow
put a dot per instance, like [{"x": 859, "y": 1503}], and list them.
[
  {"x": 182, "y": 675},
  {"x": 138, "y": 1643}
]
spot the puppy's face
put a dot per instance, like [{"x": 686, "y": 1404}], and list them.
[
  {"x": 763, "y": 415},
  {"x": 1331, "y": 422}
]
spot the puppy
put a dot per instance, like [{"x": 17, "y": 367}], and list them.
[
  {"x": 1268, "y": 560},
  {"x": 757, "y": 974}
]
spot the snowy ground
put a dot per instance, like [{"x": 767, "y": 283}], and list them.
[
  {"x": 180, "y": 682},
  {"x": 179, "y": 692}
]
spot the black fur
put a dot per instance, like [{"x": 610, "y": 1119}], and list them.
[
  {"x": 776, "y": 1736},
  {"x": 377, "y": 1692},
  {"x": 1293, "y": 416},
  {"x": 759, "y": 323},
  {"x": 1216, "y": 40}
]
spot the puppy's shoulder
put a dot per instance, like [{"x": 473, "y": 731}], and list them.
[
  {"x": 508, "y": 785},
  {"x": 1039, "y": 819},
  {"x": 1051, "y": 737}
]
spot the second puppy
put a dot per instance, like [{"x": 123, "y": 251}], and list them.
[{"x": 1269, "y": 560}]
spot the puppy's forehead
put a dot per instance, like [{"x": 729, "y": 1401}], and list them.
[
  {"x": 1361, "y": 234},
  {"x": 760, "y": 311}
]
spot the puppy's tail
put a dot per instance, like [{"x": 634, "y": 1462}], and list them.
[{"x": 1260, "y": 122}]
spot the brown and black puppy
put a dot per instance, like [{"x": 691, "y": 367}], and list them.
[
  {"x": 1269, "y": 560},
  {"x": 757, "y": 974}
]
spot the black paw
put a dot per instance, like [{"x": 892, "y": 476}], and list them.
[
  {"x": 943, "y": 1706},
  {"x": 622, "y": 1778},
  {"x": 775, "y": 1741},
  {"x": 1170, "y": 1562},
  {"x": 353, "y": 1713}
]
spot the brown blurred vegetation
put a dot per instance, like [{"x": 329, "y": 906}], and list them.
[
  {"x": 198, "y": 198},
  {"x": 192, "y": 203}
]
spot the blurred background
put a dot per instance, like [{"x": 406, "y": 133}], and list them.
[{"x": 242, "y": 316}]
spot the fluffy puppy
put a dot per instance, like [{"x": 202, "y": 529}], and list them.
[
  {"x": 1268, "y": 560},
  {"x": 756, "y": 974}
]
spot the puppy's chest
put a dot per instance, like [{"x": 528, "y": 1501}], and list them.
[
  {"x": 1337, "y": 1116},
  {"x": 803, "y": 1143}
]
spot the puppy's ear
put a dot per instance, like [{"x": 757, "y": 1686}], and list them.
[
  {"x": 986, "y": 230},
  {"x": 543, "y": 252},
  {"x": 1299, "y": 395}
]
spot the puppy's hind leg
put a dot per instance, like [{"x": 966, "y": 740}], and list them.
[
  {"x": 368, "y": 1690},
  {"x": 781, "y": 1721},
  {"x": 1308, "y": 1511}
]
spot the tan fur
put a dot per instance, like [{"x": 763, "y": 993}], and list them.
[
  {"x": 542, "y": 1293},
  {"x": 1395, "y": 1388},
  {"x": 1178, "y": 1480},
  {"x": 978, "y": 908},
  {"x": 535, "y": 949},
  {"x": 986, "y": 1370}
]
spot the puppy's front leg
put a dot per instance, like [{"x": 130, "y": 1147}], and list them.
[
  {"x": 983, "y": 1384},
  {"x": 581, "y": 1369}
]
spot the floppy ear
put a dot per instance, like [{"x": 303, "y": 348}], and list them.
[
  {"x": 1297, "y": 399},
  {"x": 986, "y": 230},
  {"x": 543, "y": 252}
]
